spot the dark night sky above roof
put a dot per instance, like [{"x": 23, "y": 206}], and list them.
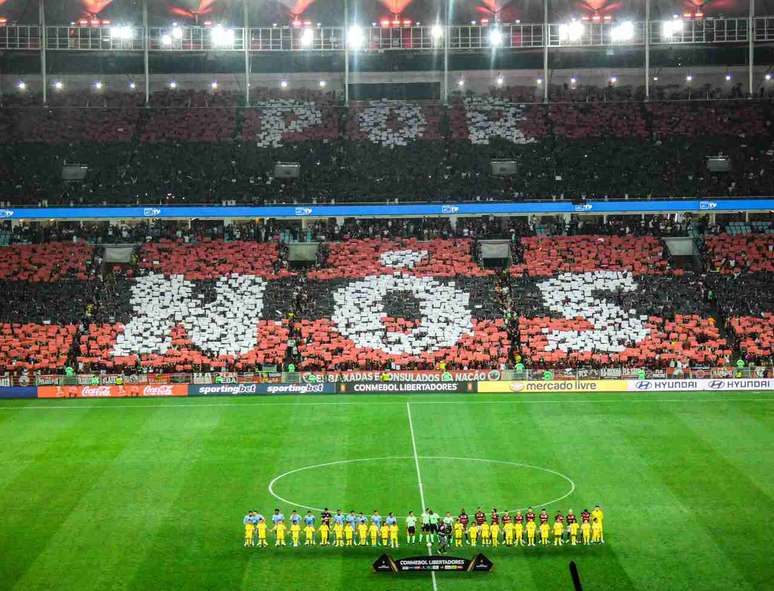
[{"x": 330, "y": 12}]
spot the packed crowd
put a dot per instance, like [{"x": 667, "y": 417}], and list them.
[
  {"x": 402, "y": 294},
  {"x": 341, "y": 529},
  {"x": 199, "y": 147}
]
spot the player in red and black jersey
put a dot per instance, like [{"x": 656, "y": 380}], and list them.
[
  {"x": 559, "y": 518},
  {"x": 519, "y": 518},
  {"x": 530, "y": 515},
  {"x": 543, "y": 517},
  {"x": 506, "y": 517},
  {"x": 586, "y": 516},
  {"x": 480, "y": 516},
  {"x": 464, "y": 519},
  {"x": 495, "y": 517},
  {"x": 325, "y": 517},
  {"x": 570, "y": 517}
]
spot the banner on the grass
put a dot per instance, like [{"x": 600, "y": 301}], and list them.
[
  {"x": 105, "y": 391},
  {"x": 402, "y": 376},
  {"x": 18, "y": 392},
  {"x": 258, "y": 389},
  {"x": 700, "y": 385},
  {"x": 407, "y": 387},
  {"x": 412, "y": 564},
  {"x": 554, "y": 386}
]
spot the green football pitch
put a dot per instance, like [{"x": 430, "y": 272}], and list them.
[{"x": 150, "y": 493}]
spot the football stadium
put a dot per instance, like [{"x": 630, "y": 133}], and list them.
[{"x": 386, "y": 295}]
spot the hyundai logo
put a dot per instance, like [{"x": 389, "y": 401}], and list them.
[
  {"x": 303, "y": 211},
  {"x": 644, "y": 385},
  {"x": 6, "y": 213},
  {"x": 151, "y": 212},
  {"x": 716, "y": 384}
]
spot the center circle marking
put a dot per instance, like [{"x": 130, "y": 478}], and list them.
[{"x": 276, "y": 479}]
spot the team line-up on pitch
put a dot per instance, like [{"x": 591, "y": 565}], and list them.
[{"x": 357, "y": 529}]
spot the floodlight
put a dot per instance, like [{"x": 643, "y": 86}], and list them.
[
  {"x": 768, "y": 77},
  {"x": 58, "y": 85},
  {"x": 613, "y": 80},
  {"x": 173, "y": 85},
  {"x": 539, "y": 81},
  {"x": 214, "y": 85},
  {"x": 323, "y": 84},
  {"x": 284, "y": 84},
  {"x": 132, "y": 86},
  {"x": 222, "y": 37},
  {"x": 671, "y": 28},
  {"x": 622, "y": 33},
  {"x": 500, "y": 80},
  {"x": 166, "y": 40},
  {"x": 728, "y": 77},
  {"x": 122, "y": 33},
  {"x": 573, "y": 80},
  {"x": 22, "y": 85},
  {"x": 436, "y": 32},
  {"x": 495, "y": 37},
  {"x": 98, "y": 85},
  {"x": 355, "y": 37},
  {"x": 177, "y": 32},
  {"x": 572, "y": 31},
  {"x": 688, "y": 78},
  {"x": 460, "y": 82},
  {"x": 307, "y": 37}
]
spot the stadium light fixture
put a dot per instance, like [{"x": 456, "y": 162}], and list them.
[
  {"x": 307, "y": 37},
  {"x": 495, "y": 37},
  {"x": 461, "y": 82},
  {"x": 214, "y": 85},
  {"x": 671, "y": 28},
  {"x": 22, "y": 85},
  {"x": 173, "y": 85},
  {"x": 177, "y": 32},
  {"x": 436, "y": 32},
  {"x": 284, "y": 84},
  {"x": 689, "y": 78},
  {"x": 572, "y": 31},
  {"x": 655, "y": 78},
  {"x": 222, "y": 37},
  {"x": 132, "y": 85},
  {"x": 323, "y": 84},
  {"x": 539, "y": 81},
  {"x": 122, "y": 33},
  {"x": 166, "y": 40},
  {"x": 500, "y": 80},
  {"x": 355, "y": 37},
  {"x": 622, "y": 32},
  {"x": 98, "y": 85},
  {"x": 58, "y": 85},
  {"x": 728, "y": 77},
  {"x": 573, "y": 80},
  {"x": 613, "y": 80},
  {"x": 768, "y": 77}
]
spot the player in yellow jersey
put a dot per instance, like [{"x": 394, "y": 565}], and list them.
[
  {"x": 495, "y": 531},
  {"x": 459, "y": 532},
  {"x": 373, "y": 534},
  {"x": 261, "y": 528},
  {"x": 574, "y": 533},
  {"x": 508, "y": 533},
  {"x": 486, "y": 534},
  {"x": 349, "y": 534},
  {"x": 393, "y": 535},
  {"x": 598, "y": 515},
  {"x": 518, "y": 533},
  {"x": 596, "y": 531},
  {"x": 586, "y": 532},
  {"x": 279, "y": 534},
  {"x": 384, "y": 533},
  {"x": 531, "y": 527},
  {"x": 362, "y": 533},
  {"x": 558, "y": 531},
  {"x": 338, "y": 534},
  {"x": 325, "y": 532},
  {"x": 544, "y": 531},
  {"x": 295, "y": 534},
  {"x": 249, "y": 533},
  {"x": 309, "y": 535},
  {"x": 473, "y": 534}
]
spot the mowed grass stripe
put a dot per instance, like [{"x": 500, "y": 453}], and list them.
[
  {"x": 38, "y": 501},
  {"x": 650, "y": 528},
  {"x": 107, "y": 530},
  {"x": 699, "y": 527}
]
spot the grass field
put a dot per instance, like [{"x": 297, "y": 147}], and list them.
[{"x": 149, "y": 494}]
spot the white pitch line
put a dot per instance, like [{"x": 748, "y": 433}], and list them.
[
  {"x": 421, "y": 487},
  {"x": 307, "y": 401}
]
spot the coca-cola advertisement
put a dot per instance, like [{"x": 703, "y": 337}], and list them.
[{"x": 113, "y": 391}]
